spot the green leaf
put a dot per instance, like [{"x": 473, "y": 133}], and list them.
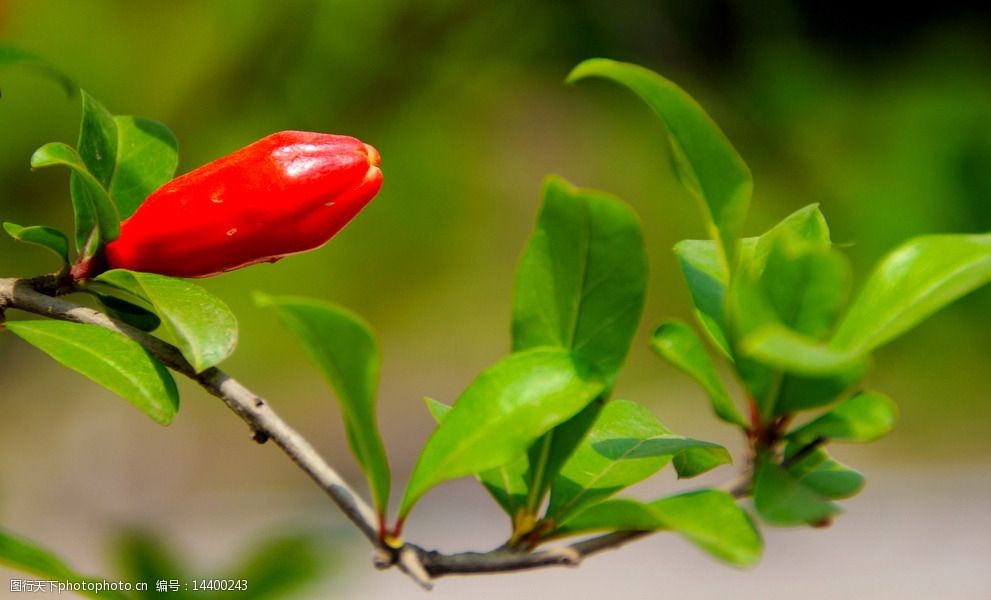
[
  {"x": 824, "y": 475},
  {"x": 548, "y": 454},
  {"x": 865, "y": 417},
  {"x": 580, "y": 285},
  {"x": 782, "y": 499},
  {"x": 10, "y": 55},
  {"x": 343, "y": 346},
  {"x": 713, "y": 521},
  {"x": 147, "y": 157},
  {"x": 710, "y": 519},
  {"x": 500, "y": 415},
  {"x": 128, "y": 312},
  {"x": 785, "y": 299},
  {"x": 807, "y": 224},
  {"x": 789, "y": 351},
  {"x": 506, "y": 483},
  {"x": 602, "y": 465},
  {"x": 201, "y": 325},
  {"x": 617, "y": 514},
  {"x": 130, "y": 156},
  {"x": 97, "y": 140},
  {"x": 437, "y": 409},
  {"x": 802, "y": 392},
  {"x": 626, "y": 445},
  {"x": 23, "y": 555},
  {"x": 699, "y": 457},
  {"x": 916, "y": 280},
  {"x": 113, "y": 360},
  {"x": 582, "y": 278},
  {"x": 834, "y": 480},
  {"x": 46, "y": 237},
  {"x": 707, "y": 278},
  {"x": 706, "y": 162},
  {"x": 90, "y": 201},
  {"x": 677, "y": 343},
  {"x": 806, "y": 284}
]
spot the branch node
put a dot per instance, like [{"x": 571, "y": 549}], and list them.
[
  {"x": 409, "y": 562},
  {"x": 259, "y": 436},
  {"x": 565, "y": 555},
  {"x": 382, "y": 558}
]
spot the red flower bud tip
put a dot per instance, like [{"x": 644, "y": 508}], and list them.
[{"x": 289, "y": 192}]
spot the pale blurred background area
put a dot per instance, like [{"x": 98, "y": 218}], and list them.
[{"x": 884, "y": 119}]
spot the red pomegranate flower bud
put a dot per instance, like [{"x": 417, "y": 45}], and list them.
[{"x": 289, "y": 192}]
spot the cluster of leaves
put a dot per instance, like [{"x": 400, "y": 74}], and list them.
[
  {"x": 775, "y": 308},
  {"x": 540, "y": 429},
  {"x": 117, "y": 163},
  {"x": 275, "y": 567}
]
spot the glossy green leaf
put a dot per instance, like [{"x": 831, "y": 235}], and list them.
[
  {"x": 834, "y": 480},
  {"x": 798, "y": 392},
  {"x": 677, "y": 343},
  {"x": 46, "y": 237},
  {"x": 784, "y": 300},
  {"x": 707, "y": 278},
  {"x": 437, "y": 409},
  {"x": 501, "y": 414},
  {"x": 865, "y": 417},
  {"x": 806, "y": 284},
  {"x": 616, "y": 514},
  {"x": 789, "y": 351},
  {"x": 343, "y": 346},
  {"x": 549, "y": 453},
  {"x": 23, "y": 555},
  {"x": 581, "y": 285},
  {"x": 147, "y": 157},
  {"x": 710, "y": 519},
  {"x": 782, "y": 499},
  {"x": 201, "y": 325},
  {"x": 601, "y": 465},
  {"x": 97, "y": 140},
  {"x": 582, "y": 278},
  {"x": 627, "y": 444},
  {"x": 790, "y": 281},
  {"x": 713, "y": 521},
  {"x": 10, "y": 55},
  {"x": 700, "y": 458},
  {"x": 824, "y": 475},
  {"x": 506, "y": 483},
  {"x": 90, "y": 201},
  {"x": 919, "y": 278},
  {"x": 706, "y": 162},
  {"x": 113, "y": 360},
  {"x": 807, "y": 224},
  {"x": 129, "y": 312},
  {"x": 130, "y": 156}
]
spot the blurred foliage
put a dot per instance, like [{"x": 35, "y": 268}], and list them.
[
  {"x": 883, "y": 119},
  {"x": 275, "y": 567}
]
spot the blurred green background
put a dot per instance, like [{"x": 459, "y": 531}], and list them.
[{"x": 883, "y": 119}]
